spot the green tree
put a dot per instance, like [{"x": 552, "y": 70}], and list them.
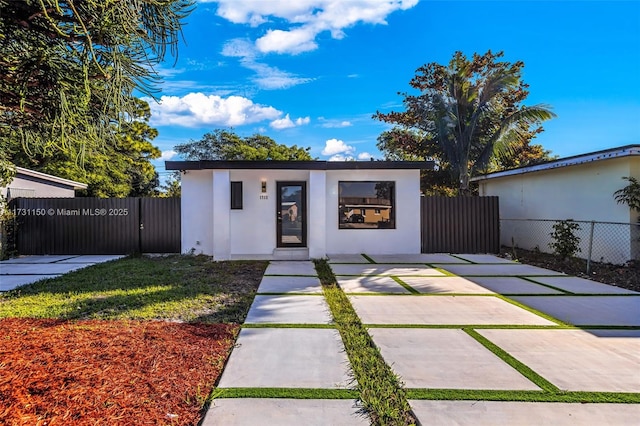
[
  {"x": 120, "y": 169},
  {"x": 172, "y": 187},
  {"x": 69, "y": 68},
  {"x": 467, "y": 114},
  {"x": 226, "y": 145}
]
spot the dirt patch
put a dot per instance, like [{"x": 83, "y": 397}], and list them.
[
  {"x": 625, "y": 276},
  {"x": 56, "y": 372}
]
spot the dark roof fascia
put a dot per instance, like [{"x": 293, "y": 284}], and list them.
[{"x": 299, "y": 165}]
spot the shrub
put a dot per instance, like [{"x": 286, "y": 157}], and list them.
[{"x": 565, "y": 241}]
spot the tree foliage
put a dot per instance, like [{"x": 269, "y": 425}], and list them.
[
  {"x": 68, "y": 68},
  {"x": 467, "y": 116},
  {"x": 226, "y": 145},
  {"x": 630, "y": 194},
  {"x": 120, "y": 169}
]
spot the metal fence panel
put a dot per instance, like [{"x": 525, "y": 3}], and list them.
[
  {"x": 160, "y": 225},
  {"x": 95, "y": 225},
  {"x": 460, "y": 225}
]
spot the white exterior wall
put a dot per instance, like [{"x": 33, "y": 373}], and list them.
[
  {"x": 582, "y": 192},
  {"x": 253, "y": 229},
  {"x": 196, "y": 211},
  {"x": 210, "y": 227},
  {"x": 404, "y": 239}
]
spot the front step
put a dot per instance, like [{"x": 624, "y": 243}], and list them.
[{"x": 291, "y": 253}]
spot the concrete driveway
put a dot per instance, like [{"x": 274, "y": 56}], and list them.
[
  {"x": 29, "y": 269},
  {"x": 442, "y": 322}
]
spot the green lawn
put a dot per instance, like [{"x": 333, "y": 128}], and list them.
[{"x": 174, "y": 288}]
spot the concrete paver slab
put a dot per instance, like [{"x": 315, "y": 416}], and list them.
[
  {"x": 497, "y": 269},
  {"x": 283, "y": 412},
  {"x": 588, "y": 310},
  {"x": 491, "y": 413},
  {"x": 415, "y": 258},
  {"x": 462, "y": 310},
  {"x": 288, "y": 267},
  {"x": 10, "y": 282},
  {"x": 288, "y": 310},
  {"x": 284, "y": 284},
  {"x": 347, "y": 258},
  {"x": 512, "y": 285},
  {"x": 93, "y": 258},
  {"x": 440, "y": 285},
  {"x": 40, "y": 268},
  {"x": 446, "y": 359},
  {"x": 384, "y": 269},
  {"x": 370, "y": 285},
  {"x": 36, "y": 259},
  {"x": 484, "y": 258},
  {"x": 575, "y": 360},
  {"x": 287, "y": 358},
  {"x": 581, "y": 285}
]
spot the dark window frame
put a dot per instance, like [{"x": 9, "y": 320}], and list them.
[
  {"x": 236, "y": 195},
  {"x": 367, "y": 203}
]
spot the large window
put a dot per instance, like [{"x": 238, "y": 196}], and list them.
[{"x": 366, "y": 205}]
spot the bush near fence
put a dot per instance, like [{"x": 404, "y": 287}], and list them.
[{"x": 609, "y": 242}]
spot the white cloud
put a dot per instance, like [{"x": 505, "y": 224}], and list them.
[
  {"x": 286, "y": 122},
  {"x": 197, "y": 109},
  {"x": 168, "y": 155},
  {"x": 341, "y": 157},
  {"x": 295, "y": 41},
  {"x": 306, "y": 18},
  {"x": 336, "y": 146},
  {"x": 335, "y": 124},
  {"x": 364, "y": 156},
  {"x": 267, "y": 77}
]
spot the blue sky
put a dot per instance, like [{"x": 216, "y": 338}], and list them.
[{"x": 312, "y": 72}]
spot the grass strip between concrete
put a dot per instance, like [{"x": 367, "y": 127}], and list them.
[
  {"x": 405, "y": 285},
  {"x": 524, "y": 396},
  {"x": 523, "y": 369},
  {"x": 370, "y": 260},
  {"x": 293, "y": 393},
  {"x": 381, "y": 392}
]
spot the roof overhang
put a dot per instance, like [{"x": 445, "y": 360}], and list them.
[
  {"x": 299, "y": 165},
  {"x": 624, "y": 151},
  {"x": 47, "y": 177}
]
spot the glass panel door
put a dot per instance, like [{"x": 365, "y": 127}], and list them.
[{"x": 291, "y": 214}]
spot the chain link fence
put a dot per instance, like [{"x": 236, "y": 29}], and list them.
[{"x": 608, "y": 242}]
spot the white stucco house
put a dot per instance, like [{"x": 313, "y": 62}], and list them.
[
  {"x": 581, "y": 188},
  {"x": 299, "y": 209},
  {"x": 31, "y": 184}
]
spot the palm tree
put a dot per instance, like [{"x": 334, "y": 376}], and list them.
[{"x": 469, "y": 111}]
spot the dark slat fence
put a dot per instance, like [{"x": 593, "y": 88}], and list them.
[
  {"x": 96, "y": 225},
  {"x": 460, "y": 225}
]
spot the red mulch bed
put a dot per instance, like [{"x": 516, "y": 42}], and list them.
[{"x": 55, "y": 372}]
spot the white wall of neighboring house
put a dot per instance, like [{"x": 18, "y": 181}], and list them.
[
  {"x": 582, "y": 192},
  {"x": 211, "y": 227},
  {"x": 32, "y": 184}
]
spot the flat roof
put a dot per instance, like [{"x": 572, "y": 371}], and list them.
[
  {"x": 50, "y": 178},
  {"x": 607, "y": 154},
  {"x": 298, "y": 165}
]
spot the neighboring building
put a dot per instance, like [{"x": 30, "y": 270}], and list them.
[
  {"x": 299, "y": 209},
  {"x": 31, "y": 184},
  {"x": 579, "y": 188}
]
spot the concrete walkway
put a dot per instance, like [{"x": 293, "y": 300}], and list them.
[
  {"x": 432, "y": 316},
  {"x": 29, "y": 269}
]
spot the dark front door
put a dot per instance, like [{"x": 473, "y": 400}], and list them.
[{"x": 291, "y": 214}]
